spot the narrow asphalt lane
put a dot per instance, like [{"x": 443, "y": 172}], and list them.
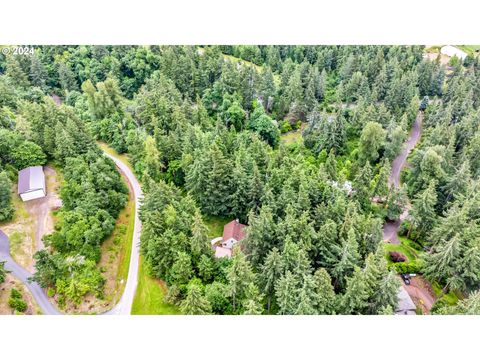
[
  {"x": 21, "y": 274},
  {"x": 124, "y": 306},
  {"x": 401, "y": 160},
  {"x": 390, "y": 228}
]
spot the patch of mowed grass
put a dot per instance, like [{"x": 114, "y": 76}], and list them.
[
  {"x": 451, "y": 298},
  {"x": 433, "y": 49},
  {"x": 126, "y": 218},
  {"x": 405, "y": 250},
  {"x": 16, "y": 240},
  {"x": 150, "y": 296},
  {"x": 291, "y": 137},
  {"x": 118, "y": 246},
  {"x": 470, "y": 49},
  {"x": 215, "y": 225}
]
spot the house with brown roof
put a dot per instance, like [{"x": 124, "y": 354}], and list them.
[{"x": 233, "y": 233}]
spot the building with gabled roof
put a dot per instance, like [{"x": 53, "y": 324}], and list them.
[
  {"x": 31, "y": 183},
  {"x": 233, "y": 232}
]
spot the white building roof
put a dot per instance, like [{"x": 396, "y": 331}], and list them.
[
  {"x": 451, "y": 51},
  {"x": 31, "y": 179},
  {"x": 222, "y": 252},
  {"x": 405, "y": 305}
]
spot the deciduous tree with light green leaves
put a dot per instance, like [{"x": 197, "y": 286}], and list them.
[{"x": 6, "y": 209}]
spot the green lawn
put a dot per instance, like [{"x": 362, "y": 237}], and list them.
[
  {"x": 291, "y": 137},
  {"x": 450, "y": 298},
  {"x": 149, "y": 298},
  {"x": 470, "y": 49},
  {"x": 406, "y": 247},
  {"x": 127, "y": 217},
  {"x": 405, "y": 250},
  {"x": 121, "y": 238},
  {"x": 117, "y": 248},
  {"x": 16, "y": 241},
  {"x": 215, "y": 225}
]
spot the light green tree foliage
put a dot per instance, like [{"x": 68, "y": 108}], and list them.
[
  {"x": 253, "y": 301},
  {"x": 195, "y": 303},
  {"x": 6, "y": 209},
  {"x": 3, "y": 272},
  {"x": 326, "y": 298},
  {"x": 181, "y": 270},
  {"x": 371, "y": 141},
  {"x": 286, "y": 291},
  {"x": 271, "y": 271},
  {"x": 396, "y": 202},
  {"x": 28, "y": 154},
  {"x": 423, "y": 213},
  {"x": 371, "y": 290},
  {"x": 260, "y": 238},
  {"x": 468, "y": 306},
  {"x": 239, "y": 277},
  {"x": 217, "y": 294},
  {"x": 153, "y": 165}
]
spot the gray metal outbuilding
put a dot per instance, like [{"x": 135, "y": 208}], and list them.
[{"x": 31, "y": 183}]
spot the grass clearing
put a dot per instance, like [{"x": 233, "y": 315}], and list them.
[
  {"x": 215, "y": 225},
  {"x": 471, "y": 50},
  {"x": 405, "y": 250},
  {"x": 451, "y": 298},
  {"x": 16, "y": 242},
  {"x": 291, "y": 137},
  {"x": 116, "y": 251},
  {"x": 149, "y": 298},
  {"x": 22, "y": 229}
]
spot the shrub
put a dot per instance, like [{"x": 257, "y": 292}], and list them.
[
  {"x": 397, "y": 257},
  {"x": 285, "y": 126},
  {"x": 16, "y": 302},
  {"x": 51, "y": 292},
  {"x": 122, "y": 229},
  {"x": 411, "y": 267},
  {"x": 298, "y": 124}
]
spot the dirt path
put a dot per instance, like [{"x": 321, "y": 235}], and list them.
[{"x": 421, "y": 293}]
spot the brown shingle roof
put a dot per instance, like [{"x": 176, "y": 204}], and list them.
[{"x": 234, "y": 230}]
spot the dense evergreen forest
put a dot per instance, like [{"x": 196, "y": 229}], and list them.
[{"x": 203, "y": 128}]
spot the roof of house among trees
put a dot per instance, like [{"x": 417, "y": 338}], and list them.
[
  {"x": 405, "y": 305},
  {"x": 234, "y": 230}
]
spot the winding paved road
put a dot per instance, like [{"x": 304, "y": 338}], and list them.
[
  {"x": 390, "y": 228},
  {"x": 21, "y": 274},
  {"x": 401, "y": 160},
  {"x": 124, "y": 306},
  {"x": 418, "y": 289}
]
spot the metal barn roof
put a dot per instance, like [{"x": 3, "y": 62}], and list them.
[{"x": 30, "y": 179}]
